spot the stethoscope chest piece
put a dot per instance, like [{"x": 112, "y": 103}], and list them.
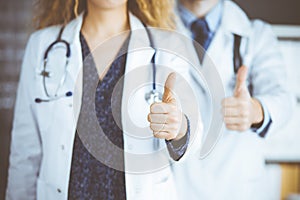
[{"x": 153, "y": 96}]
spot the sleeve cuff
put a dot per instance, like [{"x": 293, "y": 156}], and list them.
[
  {"x": 262, "y": 130},
  {"x": 178, "y": 148}
]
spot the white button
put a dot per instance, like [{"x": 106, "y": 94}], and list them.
[
  {"x": 70, "y": 105},
  {"x": 62, "y": 147}
]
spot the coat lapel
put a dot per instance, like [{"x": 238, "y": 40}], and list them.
[
  {"x": 138, "y": 70},
  {"x": 71, "y": 35}
]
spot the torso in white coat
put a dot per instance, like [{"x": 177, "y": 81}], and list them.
[
  {"x": 235, "y": 168},
  {"x": 43, "y": 134}
]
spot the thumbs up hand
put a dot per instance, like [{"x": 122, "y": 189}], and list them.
[
  {"x": 241, "y": 111},
  {"x": 166, "y": 120}
]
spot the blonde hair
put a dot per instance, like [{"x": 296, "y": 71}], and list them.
[{"x": 156, "y": 13}]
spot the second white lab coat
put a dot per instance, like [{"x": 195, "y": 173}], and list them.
[{"x": 235, "y": 168}]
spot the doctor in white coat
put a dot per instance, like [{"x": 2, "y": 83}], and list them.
[
  {"x": 257, "y": 102},
  {"x": 44, "y": 128}
]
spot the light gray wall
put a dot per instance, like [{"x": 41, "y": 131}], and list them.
[{"x": 15, "y": 16}]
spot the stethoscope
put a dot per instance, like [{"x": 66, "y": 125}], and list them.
[
  {"x": 151, "y": 96},
  {"x": 47, "y": 74},
  {"x": 154, "y": 95}
]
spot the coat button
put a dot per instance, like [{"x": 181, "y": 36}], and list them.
[
  {"x": 70, "y": 105},
  {"x": 62, "y": 147},
  {"x": 58, "y": 190}
]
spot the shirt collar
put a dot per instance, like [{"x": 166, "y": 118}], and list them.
[{"x": 213, "y": 18}]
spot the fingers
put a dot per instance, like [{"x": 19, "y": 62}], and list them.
[
  {"x": 236, "y": 113},
  {"x": 230, "y": 112},
  {"x": 230, "y": 102},
  {"x": 237, "y": 127},
  {"x": 158, "y": 127},
  {"x": 165, "y": 117},
  {"x": 235, "y": 120},
  {"x": 162, "y": 108},
  {"x": 164, "y": 135},
  {"x": 165, "y": 120},
  {"x": 157, "y": 118},
  {"x": 233, "y": 102},
  {"x": 163, "y": 127}
]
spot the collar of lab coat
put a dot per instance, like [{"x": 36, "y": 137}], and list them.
[
  {"x": 72, "y": 29},
  {"x": 235, "y": 20},
  {"x": 139, "y": 40}
]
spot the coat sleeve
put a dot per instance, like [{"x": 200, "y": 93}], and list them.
[
  {"x": 268, "y": 77},
  {"x": 25, "y": 152}
]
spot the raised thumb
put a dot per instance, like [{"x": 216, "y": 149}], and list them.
[
  {"x": 241, "y": 89},
  {"x": 169, "y": 86}
]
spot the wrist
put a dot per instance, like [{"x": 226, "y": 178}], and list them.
[
  {"x": 183, "y": 128},
  {"x": 258, "y": 114}
]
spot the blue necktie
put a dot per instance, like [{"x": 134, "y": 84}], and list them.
[{"x": 200, "y": 31}]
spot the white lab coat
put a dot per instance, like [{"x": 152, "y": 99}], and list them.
[
  {"x": 43, "y": 134},
  {"x": 235, "y": 169}
]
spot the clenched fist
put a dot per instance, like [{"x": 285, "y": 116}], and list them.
[
  {"x": 166, "y": 119},
  {"x": 241, "y": 111}
]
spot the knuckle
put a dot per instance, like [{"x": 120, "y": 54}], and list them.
[
  {"x": 153, "y": 107},
  {"x": 228, "y": 126},
  {"x": 170, "y": 118},
  {"x": 173, "y": 117},
  {"x": 149, "y": 117},
  {"x": 151, "y": 126},
  {"x": 226, "y": 119},
  {"x": 171, "y": 136},
  {"x": 156, "y": 134},
  {"x": 174, "y": 120},
  {"x": 154, "y": 127}
]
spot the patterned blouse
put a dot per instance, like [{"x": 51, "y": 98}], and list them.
[{"x": 89, "y": 178}]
